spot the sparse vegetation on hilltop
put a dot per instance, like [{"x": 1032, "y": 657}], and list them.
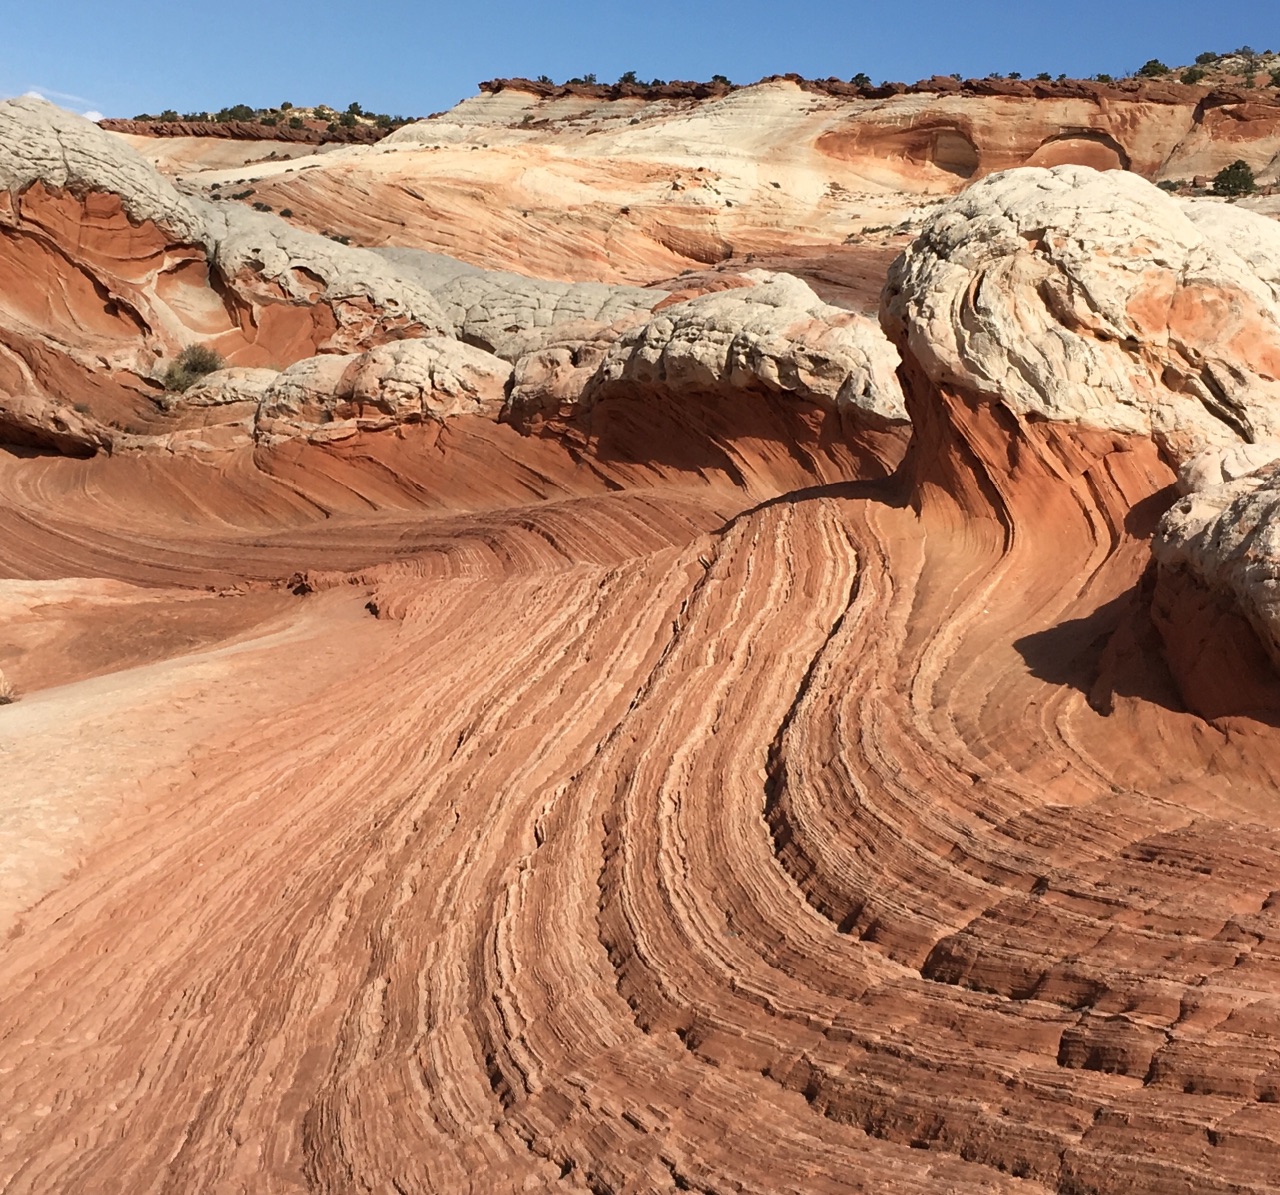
[
  {"x": 1239, "y": 67},
  {"x": 295, "y": 117}
]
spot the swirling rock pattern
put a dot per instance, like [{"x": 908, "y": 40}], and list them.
[
  {"x": 670, "y": 801},
  {"x": 626, "y": 185}
]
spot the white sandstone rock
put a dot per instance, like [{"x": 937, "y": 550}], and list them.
[
  {"x": 248, "y": 245},
  {"x": 1216, "y": 467},
  {"x": 777, "y": 336},
  {"x": 512, "y": 315},
  {"x": 226, "y": 387},
  {"x": 435, "y": 377},
  {"x": 306, "y": 391},
  {"x": 1090, "y": 297},
  {"x": 406, "y": 381},
  {"x": 1228, "y": 538},
  {"x": 42, "y": 142}
]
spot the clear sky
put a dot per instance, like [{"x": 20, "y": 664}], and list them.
[{"x": 415, "y": 58}]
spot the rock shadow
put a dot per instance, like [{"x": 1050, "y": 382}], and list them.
[
  {"x": 1115, "y": 651},
  {"x": 744, "y": 436},
  {"x": 1217, "y": 668}
]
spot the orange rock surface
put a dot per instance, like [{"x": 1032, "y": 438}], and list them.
[
  {"x": 710, "y": 784},
  {"x": 631, "y": 184}
]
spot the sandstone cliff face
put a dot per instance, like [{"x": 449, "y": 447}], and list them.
[
  {"x": 774, "y": 334},
  {"x": 267, "y": 294},
  {"x": 918, "y": 134},
  {"x": 1080, "y": 297},
  {"x": 109, "y": 270},
  {"x": 40, "y": 143}
]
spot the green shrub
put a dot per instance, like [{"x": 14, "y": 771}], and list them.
[
  {"x": 1275, "y": 78},
  {"x": 861, "y": 79},
  {"x": 1236, "y": 179},
  {"x": 1207, "y": 58},
  {"x": 295, "y": 122},
  {"x": 1101, "y": 78},
  {"x": 1193, "y": 74},
  {"x": 1153, "y": 68},
  {"x": 193, "y": 363}
]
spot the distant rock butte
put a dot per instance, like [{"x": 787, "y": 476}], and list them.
[{"x": 311, "y": 133}]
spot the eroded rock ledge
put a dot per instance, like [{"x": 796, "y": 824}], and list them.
[
  {"x": 427, "y": 337},
  {"x": 1070, "y": 342}
]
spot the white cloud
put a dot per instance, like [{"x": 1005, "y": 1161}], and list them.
[
  {"x": 92, "y": 115},
  {"x": 49, "y": 93}
]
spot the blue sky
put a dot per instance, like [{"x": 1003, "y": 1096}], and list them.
[{"x": 416, "y": 58}]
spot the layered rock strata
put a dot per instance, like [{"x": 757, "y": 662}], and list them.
[
  {"x": 571, "y": 184},
  {"x": 1031, "y": 313},
  {"x": 659, "y": 800}
]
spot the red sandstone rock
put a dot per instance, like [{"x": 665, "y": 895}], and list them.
[{"x": 666, "y": 801}]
